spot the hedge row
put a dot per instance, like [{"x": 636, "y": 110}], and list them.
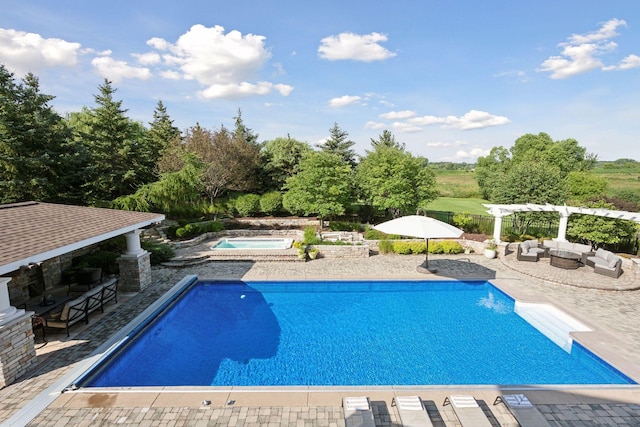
[{"x": 407, "y": 248}]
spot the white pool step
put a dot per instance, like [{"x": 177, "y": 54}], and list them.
[{"x": 552, "y": 322}]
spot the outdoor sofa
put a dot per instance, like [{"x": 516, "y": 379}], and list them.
[
  {"x": 530, "y": 250},
  {"x": 79, "y": 308},
  {"x": 578, "y": 248},
  {"x": 605, "y": 262}
]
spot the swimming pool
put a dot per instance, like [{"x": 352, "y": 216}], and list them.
[
  {"x": 253, "y": 243},
  {"x": 345, "y": 333}
]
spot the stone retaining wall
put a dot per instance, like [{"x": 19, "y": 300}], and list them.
[
  {"x": 290, "y": 222},
  {"x": 343, "y": 251}
]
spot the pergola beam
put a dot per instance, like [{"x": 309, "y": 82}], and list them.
[{"x": 500, "y": 211}]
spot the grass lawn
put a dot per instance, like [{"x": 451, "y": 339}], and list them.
[{"x": 452, "y": 204}]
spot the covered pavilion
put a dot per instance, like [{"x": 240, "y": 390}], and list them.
[{"x": 39, "y": 235}]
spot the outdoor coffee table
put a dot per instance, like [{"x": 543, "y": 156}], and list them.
[{"x": 564, "y": 259}]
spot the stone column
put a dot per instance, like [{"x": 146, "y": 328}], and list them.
[
  {"x": 135, "y": 265},
  {"x": 7, "y": 311},
  {"x": 17, "y": 352}
]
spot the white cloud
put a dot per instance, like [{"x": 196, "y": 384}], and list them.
[
  {"x": 170, "y": 75},
  {"x": 374, "y": 125},
  {"x": 628, "y": 63},
  {"x": 23, "y": 52},
  {"x": 237, "y": 90},
  {"x": 344, "y": 101},
  {"x": 401, "y": 127},
  {"x": 631, "y": 61},
  {"x": 150, "y": 58},
  {"x": 223, "y": 62},
  {"x": 427, "y": 120},
  {"x": 607, "y": 31},
  {"x": 398, "y": 115},
  {"x": 355, "y": 47},
  {"x": 117, "y": 70},
  {"x": 581, "y": 53},
  {"x": 472, "y": 154},
  {"x": 442, "y": 144},
  {"x": 475, "y": 119}
]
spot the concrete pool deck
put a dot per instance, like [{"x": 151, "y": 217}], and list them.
[{"x": 613, "y": 313}]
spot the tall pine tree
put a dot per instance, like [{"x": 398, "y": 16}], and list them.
[
  {"x": 121, "y": 156},
  {"x": 36, "y": 155},
  {"x": 339, "y": 144}
]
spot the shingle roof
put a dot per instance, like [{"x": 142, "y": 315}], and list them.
[{"x": 34, "y": 231}]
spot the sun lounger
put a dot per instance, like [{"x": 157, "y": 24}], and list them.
[
  {"x": 468, "y": 411},
  {"x": 412, "y": 411},
  {"x": 357, "y": 412},
  {"x": 523, "y": 411}
]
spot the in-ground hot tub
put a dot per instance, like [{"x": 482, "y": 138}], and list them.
[{"x": 253, "y": 243}]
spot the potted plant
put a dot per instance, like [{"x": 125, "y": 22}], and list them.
[
  {"x": 490, "y": 249},
  {"x": 313, "y": 253}
]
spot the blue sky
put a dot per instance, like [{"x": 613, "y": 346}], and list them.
[{"x": 449, "y": 79}]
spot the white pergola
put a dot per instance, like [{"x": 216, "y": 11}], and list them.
[{"x": 500, "y": 211}]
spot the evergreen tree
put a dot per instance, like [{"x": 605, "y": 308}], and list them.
[
  {"x": 281, "y": 159},
  {"x": 162, "y": 131},
  {"x": 121, "y": 156},
  {"x": 386, "y": 139},
  {"x": 243, "y": 132},
  {"x": 339, "y": 144},
  {"x": 36, "y": 155}
]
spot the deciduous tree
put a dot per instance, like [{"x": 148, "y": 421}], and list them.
[
  {"x": 323, "y": 186},
  {"x": 598, "y": 230},
  {"x": 396, "y": 181}
]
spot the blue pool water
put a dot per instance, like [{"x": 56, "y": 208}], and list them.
[{"x": 347, "y": 333}]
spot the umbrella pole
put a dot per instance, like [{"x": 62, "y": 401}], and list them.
[{"x": 426, "y": 254}]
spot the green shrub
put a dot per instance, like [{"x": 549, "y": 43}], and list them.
[
  {"x": 247, "y": 204},
  {"x": 297, "y": 244},
  {"x": 271, "y": 203},
  {"x": 436, "y": 248},
  {"x": 417, "y": 247},
  {"x": 344, "y": 226},
  {"x": 465, "y": 221},
  {"x": 160, "y": 252},
  {"x": 402, "y": 248},
  {"x": 385, "y": 246},
  {"x": 373, "y": 234},
  {"x": 451, "y": 247},
  {"x": 212, "y": 227},
  {"x": 310, "y": 237}
]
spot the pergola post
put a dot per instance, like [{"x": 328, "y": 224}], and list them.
[
  {"x": 562, "y": 226},
  {"x": 497, "y": 227}
]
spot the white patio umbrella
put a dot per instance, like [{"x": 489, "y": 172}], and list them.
[{"x": 420, "y": 226}]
